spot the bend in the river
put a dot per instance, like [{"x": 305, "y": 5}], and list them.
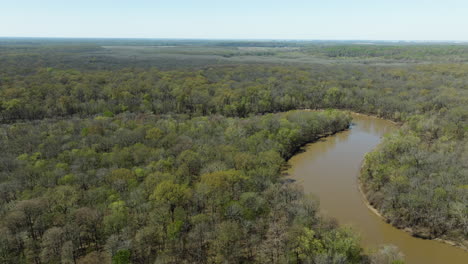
[{"x": 329, "y": 169}]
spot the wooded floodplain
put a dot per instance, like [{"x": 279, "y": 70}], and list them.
[{"x": 166, "y": 151}]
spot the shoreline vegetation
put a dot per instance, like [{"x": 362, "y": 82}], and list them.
[
  {"x": 408, "y": 230},
  {"x": 404, "y": 229},
  {"x": 411, "y": 231},
  {"x": 460, "y": 245}
]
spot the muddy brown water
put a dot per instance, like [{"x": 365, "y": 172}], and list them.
[{"x": 329, "y": 169}]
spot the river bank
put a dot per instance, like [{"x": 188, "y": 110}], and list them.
[
  {"x": 329, "y": 169},
  {"x": 411, "y": 231}
]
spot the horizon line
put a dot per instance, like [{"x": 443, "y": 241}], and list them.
[{"x": 230, "y": 39}]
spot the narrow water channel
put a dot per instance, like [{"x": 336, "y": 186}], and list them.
[{"x": 329, "y": 169}]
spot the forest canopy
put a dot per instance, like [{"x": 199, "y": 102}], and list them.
[
  {"x": 113, "y": 151},
  {"x": 166, "y": 188}
]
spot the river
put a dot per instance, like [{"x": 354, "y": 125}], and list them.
[{"x": 329, "y": 169}]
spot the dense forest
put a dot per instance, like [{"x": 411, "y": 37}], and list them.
[
  {"x": 146, "y": 158},
  {"x": 418, "y": 177},
  {"x": 391, "y": 92},
  {"x": 167, "y": 188}
]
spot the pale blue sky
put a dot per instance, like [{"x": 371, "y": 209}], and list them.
[{"x": 245, "y": 19}]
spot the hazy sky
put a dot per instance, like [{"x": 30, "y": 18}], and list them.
[{"x": 246, "y": 19}]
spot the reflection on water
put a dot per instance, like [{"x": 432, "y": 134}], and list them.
[
  {"x": 377, "y": 126},
  {"x": 329, "y": 169}
]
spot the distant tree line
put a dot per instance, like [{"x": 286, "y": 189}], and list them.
[{"x": 455, "y": 53}]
